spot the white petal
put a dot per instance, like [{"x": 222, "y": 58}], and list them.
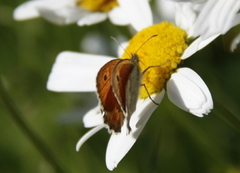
[
  {"x": 120, "y": 143},
  {"x": 27, "y": 10},
  {"x": 30, "y": 9},
  {"x": 216, "y": 17},
  {"x": 189, "y": 92},
  {"x": 73, "y": 72},
  {"x": 138, "y": 13},
  {"x": 197, "y": 45},
  {"x": 66, "y": 15},
  {"x": 92, "y": 18},
  {"x": 166, "y": 10},
  {"x": 236, "y": 20},
  {"x": 88, "y": 135},
  {"x": 118, "y": 17},
  {"x": 186, "y": 15},
  {"x": 93, "y": 117},
  {"x": 235, "y": 42}
]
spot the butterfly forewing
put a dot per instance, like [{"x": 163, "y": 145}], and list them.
[
  {"x": 133, "y": 86},
  {"x": 121, "y": 74},
  {"x": 126, "y": 83}
]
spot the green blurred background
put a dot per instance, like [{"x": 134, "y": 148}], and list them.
[{"x": 172, "y": 141}]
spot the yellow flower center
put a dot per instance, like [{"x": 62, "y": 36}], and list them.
[
  {"x": 160, "y": 54},
  {"x": 97, "y": 5}
]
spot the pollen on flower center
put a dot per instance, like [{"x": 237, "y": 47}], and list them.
[
  {"x": 97, "y": 5},
  {"x": 160, "y": 54}
]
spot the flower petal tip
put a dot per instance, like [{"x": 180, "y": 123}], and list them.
[
  {"x": 203, "y": 110},
  {"x": 77, "y": 147},
  {"x": 235, "y": 43},
  {"x": 189, "y": 92},
  {"x": 88, "y": 135},
  {"x": 111, "y": 165},
  {"x": 25, "y": 11}
]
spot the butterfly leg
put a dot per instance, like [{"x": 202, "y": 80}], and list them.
[{"x": 149, "y": 94}]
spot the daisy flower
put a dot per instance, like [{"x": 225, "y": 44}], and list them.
[
  {"x": 76, "y": 72},
  {"x": 86, "y": 12}
]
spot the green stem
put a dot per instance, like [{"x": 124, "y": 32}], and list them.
[
  {"x": 227, "y": 115},
  {"x": 24, "y": 126}
]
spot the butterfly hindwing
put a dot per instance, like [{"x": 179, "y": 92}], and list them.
[{"x": 113, "y": 115}]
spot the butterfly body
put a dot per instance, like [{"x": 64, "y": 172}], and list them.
[{"x": 118, "y": 83}]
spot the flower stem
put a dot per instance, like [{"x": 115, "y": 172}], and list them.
[{"x": 25, "y": 127}]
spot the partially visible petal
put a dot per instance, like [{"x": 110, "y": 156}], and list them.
[
  {"x": 189, "y": 92},
  {"x": 235, "y": 43},
  {"x": 63, "y": 16},
  {"x": 93, "y": 117},
  {"x": 217, "y": 17},
  {"x": 236, "y": 20},
  {"x": 120, "y": 143},
  {"x": 185, "y": 16},
  {"x": 166, "y": 10},
  {"x": 75, "y": 72},
  {"x": 27, "y": 10},
  {"x": 89, "y": 134},
  {"x": 138, "y": 12},
  {"x": 146, "y": 110},
  {"x": 118, "y": 17},
  {"x": 30, "y": 9},
  {"x": 92, "y": 18},
  {"x": 197, "y": 45}
]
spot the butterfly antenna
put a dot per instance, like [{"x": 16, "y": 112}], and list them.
[
  {"x": 145, "y": 42},
  {"x": 121, "y": 46}
]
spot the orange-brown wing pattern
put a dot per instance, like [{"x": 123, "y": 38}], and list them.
[{"x": 113, "y": 115}]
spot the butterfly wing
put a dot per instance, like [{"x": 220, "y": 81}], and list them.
[
  {"x": 133, "y": 86},
  {"x": 113, "y": 114},
  {"x": 121, "y": 76},
  {"x": 126, "y": 82}
]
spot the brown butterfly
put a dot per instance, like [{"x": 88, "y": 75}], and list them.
[{"x": 118, "y": 83}]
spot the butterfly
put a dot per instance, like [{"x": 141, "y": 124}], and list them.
[{"x": 118, "y": 83}]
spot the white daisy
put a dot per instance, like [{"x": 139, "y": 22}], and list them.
[
  {"x": 86, "y": 12},
  {"x": 77, "y": 72}
]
